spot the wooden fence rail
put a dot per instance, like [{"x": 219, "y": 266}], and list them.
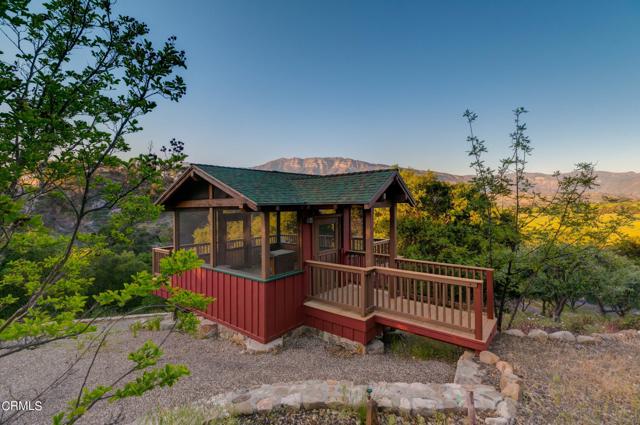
[{"x": 455, "y": 302}]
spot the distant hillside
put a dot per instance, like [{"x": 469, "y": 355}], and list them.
[{"x": 611, "y": 184}]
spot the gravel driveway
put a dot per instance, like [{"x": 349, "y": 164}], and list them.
[{"x": 216, "y": 366}]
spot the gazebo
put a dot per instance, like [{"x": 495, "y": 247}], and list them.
[{"x": 282, "y": 250}]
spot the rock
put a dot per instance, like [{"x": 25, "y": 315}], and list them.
[
  {"x": 504, "y": 367},
  {"x": 467, "y": 372},
  {"x": 514, "y": 332},
  {"x": 585, "y": 339},
  {"x": 167, "y": 324},
  {"x": 507, "y": 408},
  {"x": 238, "y": 339},
  {"x": 627, "y": 333},
  {"x": 265, "y": 404},
  {"x": 512, "y": 390},
  {"x": 467, "y": 355},
  {"x": 375, "y": 347},
  {"x": 292, "y": 401},
  {"x": 207, "y": 330},
  {"x": 253, "y": 346},
  {"x": 496, "y": 421},
  {"x": 538, "y": 334},
  {"x": 507, "y": 378},
  {"x": 488, "y": 357},
  {"x": 563, "y": 336}
]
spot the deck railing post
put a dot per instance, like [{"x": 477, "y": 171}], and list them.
[
  {"x": 477, "y": 311},
  {"x": 490, "y": 300}
]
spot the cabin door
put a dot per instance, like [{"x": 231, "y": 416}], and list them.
[{"x": 326, "y": 239}]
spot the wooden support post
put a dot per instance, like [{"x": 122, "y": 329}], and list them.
[
  {"x": 246, "y": 237},
  {"x": 266, "y": 252},
  {"x": 477, "y": 311},
  {"x": 278, "y": 231},
  {"x": 369, "y": 260},
  {"x": 176, "y": 230},
  {"x": 393, "y": 232},
  {"x": 212, "y": 238},
  {"x": 490, "y": 307},
  {"x": 346, "y": 233},
  {"x": 221, "y": 238}
]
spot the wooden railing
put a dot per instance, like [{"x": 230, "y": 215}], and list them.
[
  {"x": 339, "y": 285},
  {"x": 455, "y": 270},
  {"x": 158, "y": 253},
  {"x": 455, "y": 302},
  {"x": 380, "y": 246}
]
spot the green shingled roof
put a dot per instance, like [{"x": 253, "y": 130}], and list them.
[{"x": 279, "y": 188}]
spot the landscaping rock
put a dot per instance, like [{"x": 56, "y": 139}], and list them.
[
  {"x": 563, "y": 336},
  {"x": 507, "y": 378},
  {"x": 467, "y": 355},
  {"x": 504, "y": 367},
  {"x": 585, "y": 339},
  {"x": 467, "y": 372},
  {"x": 207, "y": 329},
  {"x": 538, "y": 334},
  {"x": 488, "y": 357},
  {"x": 253, "y": 346},
  {"x": 514, "y": 332},
  {"x": 375, "y": 347},
  {"x": 167, "y": 324},
  {"x": 512, "y": 390},
  {"x": 496, "y": 421},
  {"x": 507, "y": 409}
]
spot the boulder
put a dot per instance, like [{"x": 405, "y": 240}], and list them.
[
  {"x": 512, "y": 390},
  {"x": 167, "y": 324},
  {"x": 504, "y": 367},
  {"x": 375, "y": 347},
  {"x": 496, "y": 421},
  {"x": 514, "y": 332},
  {"x": 585, "y": 339},
  {"x": 488, "y": 357},
  {"x": 467, "y": 355},
  {"x": 538, "y": 334},
  {"x": 253, "y": 346},
  {"x": 207, "y": 329},
  {"x": 507, "y": 408},
  {"x": 508, "y": 378},
  {"x": 563, "y": 336}
]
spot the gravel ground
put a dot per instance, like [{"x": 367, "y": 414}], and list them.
[
  {"x": 568, "y": 383},
  {"x": 216, "y": 366}
]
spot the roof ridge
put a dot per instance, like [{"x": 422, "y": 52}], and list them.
[
  {"x": 252, "y": 169},
  {"x": 377, "y": 170}
]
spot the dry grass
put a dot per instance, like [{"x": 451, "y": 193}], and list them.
[{"x": 572, "y": 384}]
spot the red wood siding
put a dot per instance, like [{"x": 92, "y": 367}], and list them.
[
  {"x": 261, "y": 310},
  {"x": 361, "y": 331}
]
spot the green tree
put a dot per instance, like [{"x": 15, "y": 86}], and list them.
[{"x": 74, "y": 83}]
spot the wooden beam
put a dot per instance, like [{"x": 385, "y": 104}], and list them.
[
  {"x": 393, "y": 235},
  {"x": 346, "y": 232},
  {"x": 246, "y": 237},
  {"x": 212, "y": 235},
  {"x": 266, "y": 260},
  {"x": 278, "y": 227},
  {"x": 176, "y": 231},
  {"x": 369, "y": 260},
  {"x": 209, "y": 203}
]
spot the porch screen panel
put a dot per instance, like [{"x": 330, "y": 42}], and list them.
[
  {"x": 195, "y": 232},
  {"x": 238, "y": 241},
  {"x": 357, "y": 228},
  {"x": 284, "y": 247}
]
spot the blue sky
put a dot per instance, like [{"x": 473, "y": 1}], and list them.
[{"x": 388, "y": 81}]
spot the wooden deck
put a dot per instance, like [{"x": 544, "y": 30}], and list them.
[{"x": 447, "y": 308}]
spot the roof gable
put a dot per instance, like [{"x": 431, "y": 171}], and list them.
[{"x": 272, "y": 188}]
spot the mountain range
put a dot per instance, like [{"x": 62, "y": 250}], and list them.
[{"x": 619, "y": 185}]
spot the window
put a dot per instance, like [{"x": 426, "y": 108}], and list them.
[
  {"x": 357, "y": 229},
  {"x": 194, "y": 228},
  {"x": 238, "y": 241}
]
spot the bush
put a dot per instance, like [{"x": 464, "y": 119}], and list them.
[{"x": 631, "y": 321}]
